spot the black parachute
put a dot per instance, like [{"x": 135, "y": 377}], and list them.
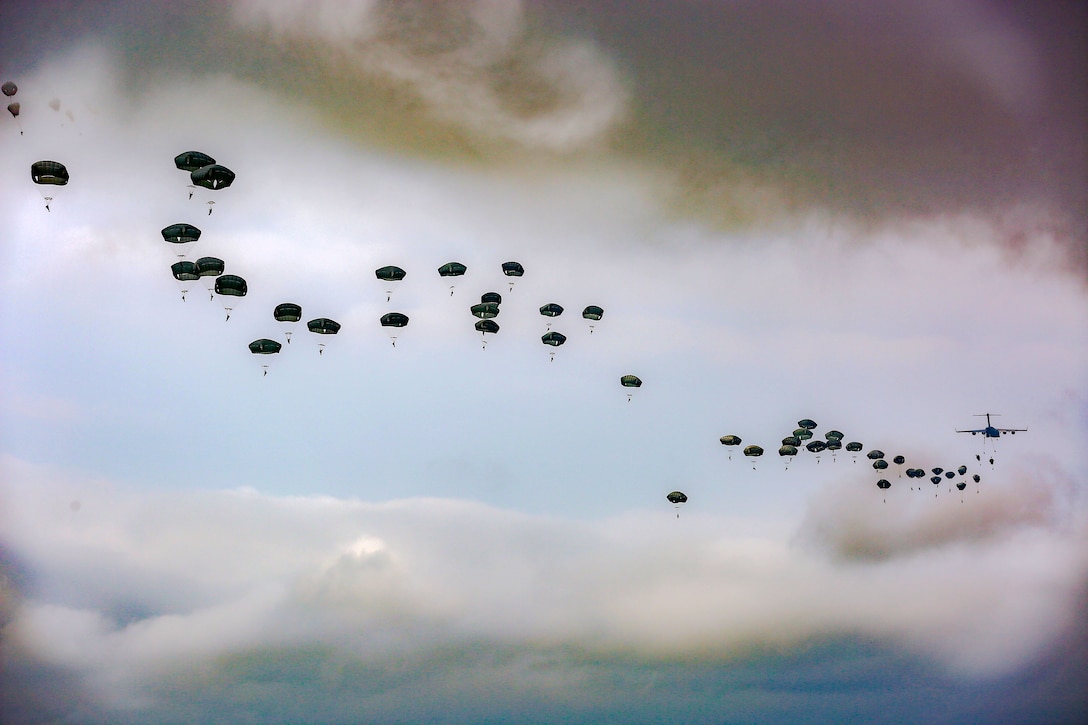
[
  {"x": 264, "y": 346},
  {"x": 486, "y": 326},
  {"x": 512, "y": 269},
  {"x": 452, "y": 269},
  {"x": 210, "y": 266},
  {"x": 213, "y": 176},
  {"x": 551, "y": 310},
  {"x": 880, "y": 464},
  {"x": 230, "y": 285},
  {"x": 630, "y": 381},
  {"x": 485, "y": 310},
  {"x": 183, "y": 235},
  {"x": 816, "y": 446},
  {"x": 802, "y": 433},
  {"x": 185, "y": 271},
  {"x": 50, "y": 173},
  {"x": 287, "y": 312},
  {"x": 593, "y": 312},
  {"x": 806, "y": 423},
  {"x": 677, "y": 497},
  {"x": 395, "y": 320},
  {"x": 491, "y": 298},
  {"x": 390, "y": 274},
  {"x": 854, "y": 446},
  {"x": 192, "y": 160},
  {"x": 791, "y": 441},
  {"x": 554, "y": 339},
  {"x": 875, "y": 454},
  {"x": 833, "y": 435},
  {"x": 323, "y": 326},
  {"x": 883, "y": 484},
  {"x": 899, "y": 460}
]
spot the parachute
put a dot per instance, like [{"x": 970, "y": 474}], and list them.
[
  {"x": 264, "y": 346},
  {"x": 290, "y": 313},
  {"x": 962, "y": 470},
  {"x": 551, "y": 310},
  {"x": 753, "y": 452},
  {"x": 676, "y": 498},
  {"x": 9, "y": 88},
  {"x": 13, "y": 109},
  {"x": 485, "y": 310},
  {"x": 854, "y": 446},
  {"x": 192, "y": 161},
  {"x": 322, "y": 326},
  {"x": 512, "y": 269},
  {"x": 802, "y": 433},
  {"x": 884, "y": 484},
  {"x": 486, "y": 326},
  {"x": 390, "y": 275},
  {"x": 185, "y": 271},
  {"x": 230, "y": 285},
  {"x": 806, "y": 423},
  {"x": 213, "y": 176},
  {"x": 52, "y": 173},
  {"x": 880, "y": 464},
  {"x": 630, "y": 381},
  {"x": 593, "y": 313},
  {"x": 452, "y": 269},
  {"x": 791, "y": 441},
  {"x": 833, "y": 435},
  {"x": 394, "y": 320},
  {"x": 730, "y": 441},
  {"x": 787, "y": 451},
  {"x": 875, "y": 454},
  {"x": 899, "y": 460},
  {"x": 816, "y": 447},
  {"x": 554, "y": 339},
  {"x": 491, "y": 298},
  {"x": 210, "y": 268},
  {"x": 182, "y": 235}
]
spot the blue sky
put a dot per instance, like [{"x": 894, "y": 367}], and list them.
[{"x": 869, "y": 217}]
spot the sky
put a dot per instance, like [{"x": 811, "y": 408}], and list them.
[{"x": 872, "y": 216}]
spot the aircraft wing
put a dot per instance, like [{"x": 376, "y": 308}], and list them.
[
  {"x": 976, "y": 430},
  {"x": 1011, "y": 430}
]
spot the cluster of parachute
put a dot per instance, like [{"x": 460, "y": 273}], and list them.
[
  {"x": 794, "y": 443},
  {"x": 9, "y": 90},
  {"x": 203, "y": 173}
]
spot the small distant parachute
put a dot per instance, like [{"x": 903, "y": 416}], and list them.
[
  {"x": 802, "y": 433},
  {"x": 230, "y": 285},
  {"x": 213, "y": 176},
  {"x": 899, "y": 460},
  {"x": 789, "y": 451},
  {"x": 185, "y": 271},
  {"x": 9, "y": 88},
  {"x": 854, "y": 446},
  {"x": 937, "y": 471},
  {"x": 486, "y": 326},
  {"x": 875, "y": 454},
  {"x": 452, "y": 269},
  {"x": 834, "y": 444},
  {"x": 961, "y": 485},
  {"x": 962, "y": 470},
  {"x": 976, "y": 478},
  {"x": 630, "y": 381},
  {"x": 935, "y": 480},
  {"x": 13, "y": 109},
  {"x": 394, "y": 320},
  {"x": 192, "y": 161},
  {"x": 730, "y": 441},
  {"x": 512, "y": 269},
  {"x": 833, "y": 435},
  {"x": 551, "y": 310},
  {"x": 210, "y": 268},
  {"x": 816, "y": 446},
  {"x": 884, "y": 483},
  {"x": 676, "y": 498},
  {"x": 390, "y": 275},
  {"x": 554, "y": 339},
  {"x": 949, "y": 474},
  {"x": 322, "y": 326},
  {"x": 806, "y": 423},
  {"x": 182, "y": 235},
  {"x": 49, "y": 173},
  {"x": 753, "y": 452},
  {"x": 264, "y": 346},
  {"x": 491, "y": 298},
  {"x": 593, "y": 313},
  {"x": 880, "y": 464},
  {"x": 791, "y": 441},
  {"x": 485, "y": 310},
  {"x": 290, "y": 313}
]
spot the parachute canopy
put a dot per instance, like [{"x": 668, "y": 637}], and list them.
[
  {"x": 551, "y": 310},
  {"x": 287, "y": 312},
  {"x": 185, "y": 271},
  {"x": 192, "y": 160},
  {"x": 791, "y": 441},
  {"x": 802, "y": 433},
  {"x": 485, "y": 310},
  {"x": 961, "y": 485},
  {"x": 212, "y": 176},
  {"x": 899, "y": 460},
  {"x": 593, "y": 312},
  {"x": 883, "y": 483},
  {"x": 231, "y": 285},
  {"x": 787, "y": 451},
  {"x": 394, "y": 319},
  {"x": 452, "y": 269},
  {"x": 13, "y": 109},
  {"x": 833, "y": 435},
  {"x": 753, "y": 451},
  {"x": 323, "y": 326},
  {"x": 512, "y": 269},
  {"x": 806, "y": 423},
  {"x": 555, "y": 339},
  {"x": 9, "y": 88},
  {"x": 210, "y": 266},
  {"x": 816, "y": 446},
  {"x": 630, "y": 381},
  {"x": 880, "y": 464},
  {"x": 390, "y": 274},
  {"x": 180, "y": 233},
  {"x": 962, "y": 470},
  {"x": 834, "y": 444},
  {"x": 875, "y": 454},
  {"x": 854, "y": 446},
  {"x": 49, "y": 172},
  {"x": 730, "y": 440},
  {"x": 264, "y": 346},
  {"x": 486, "y": 326},
  {"x": 677, "y": 497},
  {"x": 491, "y": 298}
]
